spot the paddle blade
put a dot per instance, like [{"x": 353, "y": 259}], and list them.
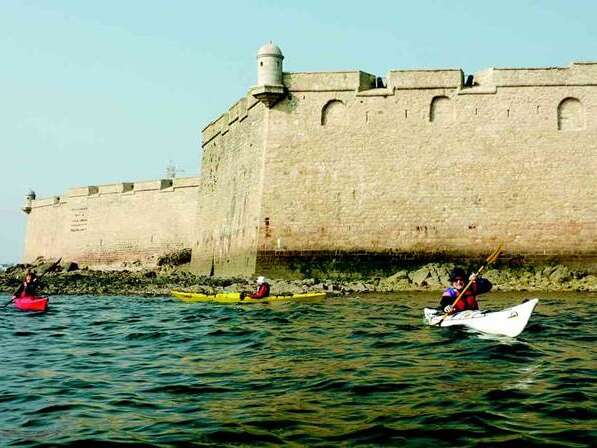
[{"x": 495, "y": 254}]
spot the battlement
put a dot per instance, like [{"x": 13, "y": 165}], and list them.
[
  {"x": 367, "y": 85},
  {"x": 426, "y": 79},
  {"x": 160, "y": 185},
  {"x": 577, "y": 73},
  {"x": 329, "y": 81}
]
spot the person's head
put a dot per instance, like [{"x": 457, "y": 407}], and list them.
[
  {"x": 260, "y": 280},
  {"x": 29, "y": 275},
  {"x": 458, "y": 278}
]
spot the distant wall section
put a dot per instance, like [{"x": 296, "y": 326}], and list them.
[{"x": 115, "y": 223}]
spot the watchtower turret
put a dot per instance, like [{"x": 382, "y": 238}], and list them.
[
  {"x": 29, "y": 201},
  {"x": 270, "y": 85}
]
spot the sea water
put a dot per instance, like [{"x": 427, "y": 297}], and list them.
[{"x": 349, "y": 371}]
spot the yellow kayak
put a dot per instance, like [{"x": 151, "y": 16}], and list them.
[{"x": 234, "y": 297}]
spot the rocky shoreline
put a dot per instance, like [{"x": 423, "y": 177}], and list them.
[{"x": 67, "y": 279}]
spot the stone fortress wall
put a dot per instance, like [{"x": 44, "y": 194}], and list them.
[
  {"x": 347, "y": 166},
  {"x": 424, "y": 163},
  {"x": 114, "y": 223},
  {"x": 230, "y": 190}
]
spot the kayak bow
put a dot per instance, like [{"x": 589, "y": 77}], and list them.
[{"x": 509, "y": 322}]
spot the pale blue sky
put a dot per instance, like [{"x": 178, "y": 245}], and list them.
[{"x": 110, "y": 91}]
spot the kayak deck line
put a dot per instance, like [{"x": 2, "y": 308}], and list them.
[
  {"x": 235, "y": 297},
  {"x": 508, "y": 322}
]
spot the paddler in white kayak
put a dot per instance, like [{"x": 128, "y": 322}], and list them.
[{"x": 468, "y": 301}]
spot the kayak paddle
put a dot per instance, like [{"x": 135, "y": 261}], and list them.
[
  {"x": 9, "y": 302},
  {"x": 38, "y": 279},
  {"x": 492, "y": 257}
]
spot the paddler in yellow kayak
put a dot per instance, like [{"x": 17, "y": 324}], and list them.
[{"x": 262, "y": 291}]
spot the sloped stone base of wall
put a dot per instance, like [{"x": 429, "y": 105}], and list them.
[{"x": 367, "y": 265}]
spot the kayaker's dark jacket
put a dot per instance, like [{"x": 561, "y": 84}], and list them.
[
  {"x": 262, "y": 292},
  {"x": 27, "y": 289},
  {"x": 469, "y": 300}
]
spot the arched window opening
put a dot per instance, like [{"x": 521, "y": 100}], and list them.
[
  {"x": 333, "y": 113},
  {"x": 440, "y": 109},
  {"x": 570, "y": 115}
]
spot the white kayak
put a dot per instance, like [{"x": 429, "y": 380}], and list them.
[{"x": 509, "y": 322}]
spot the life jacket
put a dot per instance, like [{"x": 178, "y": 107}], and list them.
[
  {"x": 26, "y": 289},
  {"x": 262, "y": 292},
  {"x": 468, "y": 301}
]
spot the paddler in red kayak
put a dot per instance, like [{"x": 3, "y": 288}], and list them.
[
  {"x": 29, "y": 285},
  {"x": 468, "y": 301},
  {"x": 262, "y": 292}
]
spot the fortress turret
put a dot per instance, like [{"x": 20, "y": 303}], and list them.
[
  {"x": 29, "y": 201},
  {"x": 270, "y": 86},
  {"x": 269, "y": 65}
]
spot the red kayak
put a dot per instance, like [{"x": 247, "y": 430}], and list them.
[{"x": 31, "y": 303}]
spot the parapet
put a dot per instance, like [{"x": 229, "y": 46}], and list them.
[
  {"x": 82, "y": 191},
  {"x": 238, "y": 111},
  {"x": 577, "y": 73},
  {"x": 110, "y": 189},
  {"x": 366, "y": 84},
  {"x": 185, "y": 182},
  {"x": 121, "y": 187},
  {"x": 329, "y": 81},
  {"x": 426, "y": 79},
  {"x": 44, "y": 202},
  {"x": 160, "y": 184}
]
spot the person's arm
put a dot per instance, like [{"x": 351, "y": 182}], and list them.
[
  {"x": 18, "y": 292},
  {"x": 262, "y": 292},
  {"x": 447, "y": 299},
  {"x": 482, "y": 285}
]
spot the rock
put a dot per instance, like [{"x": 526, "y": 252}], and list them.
[
  {"x": 403, "y": 285},
  {"x": 48, "y": 266},
  {"x": 560, "y": 275},
  {"x": 400, "y": 275},
  {"x": 443, "y": 272},
  {"x": 175, "y": 258},
  {"x": 419, "y": 276},
  {"x": 285, "y": 286},
  {"x": 357, "y": 287},
  {"x": 17, "y": 269},
  {"x": 438, "y": 276},
  {"x": 319, "y": 287},
  {"x": 588, "y": 283},
  {"x": 68, "y": 266}
]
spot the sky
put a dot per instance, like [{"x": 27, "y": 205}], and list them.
[{"x": 113, "y": 91}]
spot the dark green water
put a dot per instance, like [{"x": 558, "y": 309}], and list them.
[{"x": 362, "y": 371}]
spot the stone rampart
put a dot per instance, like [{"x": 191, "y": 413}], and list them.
[
  {"x": 230, "y": 190},
  {"x": 360, "y": 170},
  {"x": 114, "y": 223},
  {"x": 423, "y": 165}
]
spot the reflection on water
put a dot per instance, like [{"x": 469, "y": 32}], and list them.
[{"x": 348, "y": 371}]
